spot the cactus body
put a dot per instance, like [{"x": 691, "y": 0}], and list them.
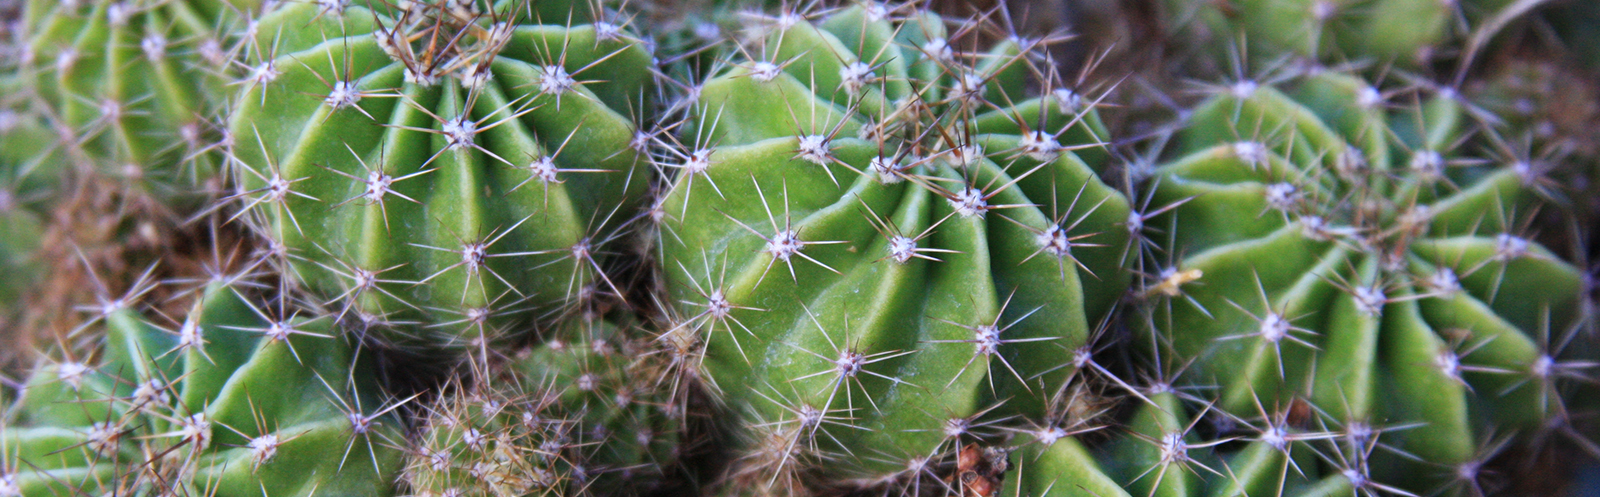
[
  {"x": 888, "y": 239},
  {"x": 583, "y": 413},
  {"x": 1344, "y": 250},
  {"x": 229, "y": 404},
  {"x": 452, "y": 189}
]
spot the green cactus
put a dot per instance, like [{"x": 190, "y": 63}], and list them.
[
  {"x": 231, "y": 403},
  {"x": 140, "y": 82},
  {"x": 880, "y": 239},
  {"x": 887, "y": 252},
  {"x": 448, "y": 174},
  {"x": 1405, "y": 32},
  {"x": 582, "y": 413},
  {"x": 1340, "y": 246}
]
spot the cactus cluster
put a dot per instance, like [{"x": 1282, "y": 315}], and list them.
[{"x": 528, "y": 247}]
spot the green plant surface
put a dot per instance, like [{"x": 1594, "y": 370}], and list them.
[{"x": 448, "y": 175}]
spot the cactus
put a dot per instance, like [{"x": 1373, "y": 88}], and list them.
[
  {"x": 230, "y": 403},
  {"x": 583, "y": 413},
  {"x": 880, "y": 241},
  {"x": 887, "y": 253},
  {"x": 449, "y": 173},
  {"x": 19, "y": 242},
  {"x": 1164, "y": 452},
  {"x": 1408, "y": 33},
  {"x": 140, "y": 83},
  {"x": 1337, "y": 245}
]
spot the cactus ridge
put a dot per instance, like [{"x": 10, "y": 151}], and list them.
[{"x": 30, "y": 177}]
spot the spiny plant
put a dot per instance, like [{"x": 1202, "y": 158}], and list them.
[
  {"x": 585, "y": 412},
  {"x": 1408, "y": 33},
  {"x": 237, "y": 399},
  {"x": 140, "y": 82},
  {"x": 446, "y": 172},
  {"x": 883, "y": 242},
  {"x": 1348, "y": 247}
]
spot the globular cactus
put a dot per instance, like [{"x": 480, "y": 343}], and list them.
[
  {"x": 141, "y": 82},
  {"x": 883, "y": 242},
  {"x": 232, "y": 402},
  {"x": 584, "y": 413},
  {"x": 446, "y": 172},
  {"x": 1343, "y": 246}
]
